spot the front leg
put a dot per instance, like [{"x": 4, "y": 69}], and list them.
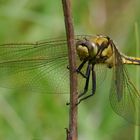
[{"x": 78, "y": 70}]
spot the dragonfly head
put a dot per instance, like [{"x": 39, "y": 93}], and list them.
[
  {"x": 97, "y": 49},
  {"x": 86, "y": 49}
]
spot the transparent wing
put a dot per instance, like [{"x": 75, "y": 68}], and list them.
[
  {"x": 39, "y": 65},
  {"x": 124, "y": 98}
]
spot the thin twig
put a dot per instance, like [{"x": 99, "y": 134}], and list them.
[{"x": 72, "y": 66}]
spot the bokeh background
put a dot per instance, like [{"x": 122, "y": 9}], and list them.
[{"x": 30, "y": 116}]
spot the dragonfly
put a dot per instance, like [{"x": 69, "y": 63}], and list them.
[{"x": 28, "y": 65}]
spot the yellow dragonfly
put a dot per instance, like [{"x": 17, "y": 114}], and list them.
[{"x": 28, "y": 65}]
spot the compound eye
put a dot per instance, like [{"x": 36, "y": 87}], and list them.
[{"x": 82, "y": 52}]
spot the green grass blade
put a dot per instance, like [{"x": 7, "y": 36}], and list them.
[{"x": 137, "y": 128}]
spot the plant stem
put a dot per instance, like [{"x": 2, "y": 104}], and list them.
[{"x": 72, "y": 67}]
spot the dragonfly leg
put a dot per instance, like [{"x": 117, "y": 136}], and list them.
[
  {"x": 87, "y": 81},
  {"x": 86, "y": 86},
  {"x": 78, "y": 70}
]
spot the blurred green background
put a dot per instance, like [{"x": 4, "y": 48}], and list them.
[{"x": 29, "y": 116}]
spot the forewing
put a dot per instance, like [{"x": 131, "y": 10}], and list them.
[{"x": 36, "y": 66}]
